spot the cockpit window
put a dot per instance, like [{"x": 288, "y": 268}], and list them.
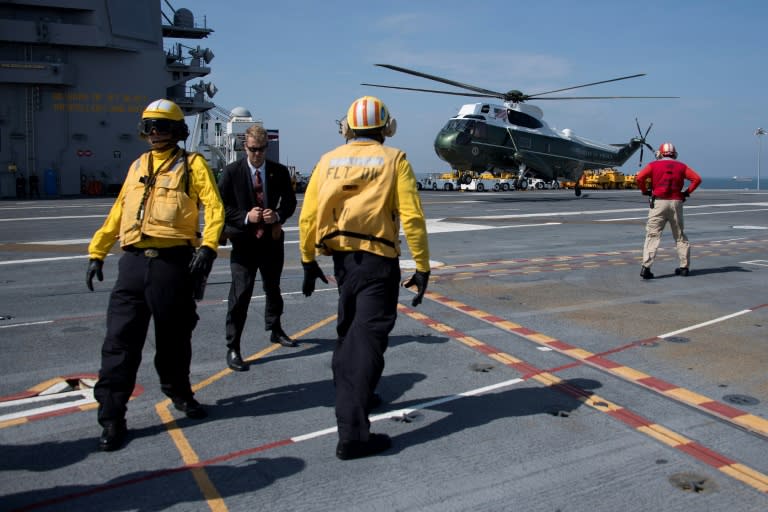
[
  {"x": 524, "y": 120},
  {"x": 459, "y": 125}
]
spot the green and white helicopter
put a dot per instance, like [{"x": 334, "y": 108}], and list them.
[{"x": 514, "y": 137}]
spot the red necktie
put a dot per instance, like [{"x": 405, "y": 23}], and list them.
[{"x": 258, "y": 194}]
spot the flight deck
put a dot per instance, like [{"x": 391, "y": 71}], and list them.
[{"x": 541, "y": 373}]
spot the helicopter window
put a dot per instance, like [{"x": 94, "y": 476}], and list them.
[
  {"x": 479, "y": 131},
  {"x": 485, "y": 109},
  {"x": 458, "y": 125},
  {"x": 524, "y": 120}
]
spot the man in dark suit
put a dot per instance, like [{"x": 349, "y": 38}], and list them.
[{"x": 258, "y": 198}]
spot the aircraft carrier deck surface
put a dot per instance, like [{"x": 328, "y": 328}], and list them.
[{"x": 541, "y": 373}]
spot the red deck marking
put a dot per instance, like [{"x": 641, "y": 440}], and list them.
[
  {"x": 570, "y": 389},
  {"x": 705, "y": 455},
  {"x": 648, "y": 341},
  {"x": 492, "y": 318},
  {"x": 630, "y": 418},
  {"x": 605, "y": 363},
  {"x": 653, "y": 382},
  {"x": 241, "y": 453},
  {"x": 558, "y": 369},
  {"x": 560, "y": 345},
  {"x": 600, "y": 362},
  {"x": 722, "y": 409},
  {"x": 525, "y": 369},
  {"x": 487, "y": 349}
]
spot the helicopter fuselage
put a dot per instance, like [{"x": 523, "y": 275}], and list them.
[{"x": 484, "y": 136}]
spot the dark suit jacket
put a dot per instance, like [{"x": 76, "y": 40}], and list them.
[{"x": 236, "y": 189}]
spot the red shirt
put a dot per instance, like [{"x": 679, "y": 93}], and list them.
[{"x": 667, "y": 178}]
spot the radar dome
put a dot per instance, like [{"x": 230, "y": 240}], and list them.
[
  {"x": 241, "y": 112},
  {"x": 184, "y": 18}
]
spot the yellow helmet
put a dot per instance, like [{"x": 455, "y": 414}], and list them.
[
  {"x": 367, "y": 113},
  {"x": 163, "y": 109},
  {"x": 164, "y": 116}
]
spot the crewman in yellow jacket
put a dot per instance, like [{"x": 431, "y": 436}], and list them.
[
  {"x": 356, "y": 199},
  {"x": 163, "y": 269}
]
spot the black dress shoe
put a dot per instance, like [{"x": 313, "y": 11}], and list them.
[
  {"x": 681, "y": 271},
  {"x": 191, "y": 408},
  {"x": 235, "y": 362},
  {"x": 376, "y": 443},
  {"x": 113, "y": 436},
  {"x": 278, "y": 336}
]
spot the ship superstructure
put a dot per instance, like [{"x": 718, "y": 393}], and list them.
[
  {"x": 219, "y": 134},
  {"x": 75, "y": 76}
]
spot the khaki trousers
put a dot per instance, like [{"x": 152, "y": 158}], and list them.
[{"x": 665, "y": 211}]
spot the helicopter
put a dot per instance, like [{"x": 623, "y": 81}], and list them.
[{"x": 513, "y": 136}]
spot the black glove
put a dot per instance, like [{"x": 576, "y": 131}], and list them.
[
  {"x": 647, "y": 193},
  {"x": 94, "y": 269},
  {"x": 686, "y": 195},
  {"x": 419, "y": 280},
  {"x": 311, "y": 273},
  {"x": 202, "y": 261}
]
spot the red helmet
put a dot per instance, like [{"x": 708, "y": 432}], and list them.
[{"x": 667, "y": 149}]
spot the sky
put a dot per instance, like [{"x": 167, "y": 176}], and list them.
[{"x": 298, "y": 65}]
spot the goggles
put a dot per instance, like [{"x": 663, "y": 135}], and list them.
[
  {"x": 159, "y": 125},
  {"x": 256, "y": 149}
]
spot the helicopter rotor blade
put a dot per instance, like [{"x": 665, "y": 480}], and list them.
[
  {"x": 455, "y": 93},
  {"x": 489, "y": 93},
  {"x": 513, "y": 96},
  {"x": 601, "y": 97},
  {"x": 586, "y": 85},
  {"x": 648, "y": 130}
]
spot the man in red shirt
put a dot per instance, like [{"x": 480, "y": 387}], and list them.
[{"x": 663, "y": 180}]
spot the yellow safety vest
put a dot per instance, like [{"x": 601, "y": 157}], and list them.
[
  {"x": 156, "y": 204},
  {"x": 356, "y": 200}
]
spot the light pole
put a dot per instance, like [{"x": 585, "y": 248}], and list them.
[{"x": 759, "y": 132}]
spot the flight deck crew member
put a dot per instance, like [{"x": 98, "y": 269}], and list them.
[
  {"x": 258, "y": 198},
  {"x": 156, "y": 219},
  {"x": 356, "y": 199},
  {"x": 667, "y": 177}
]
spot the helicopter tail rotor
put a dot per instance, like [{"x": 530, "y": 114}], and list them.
[{"x": 643, "y": 143}]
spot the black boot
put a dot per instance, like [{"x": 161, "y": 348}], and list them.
[
  {"x": 376, "y": 443},
  {"x": 191, "y": 407},
  {"x": 645, "y": 273},
  {"x": 113, "y": 436},
  {"x": 681, "y": 271}
]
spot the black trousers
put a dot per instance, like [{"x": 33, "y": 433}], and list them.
[
  {"x": 249, "y": 256},
  {"x": 159, "y": 288},
  {"x": 368, "y": 292}
]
